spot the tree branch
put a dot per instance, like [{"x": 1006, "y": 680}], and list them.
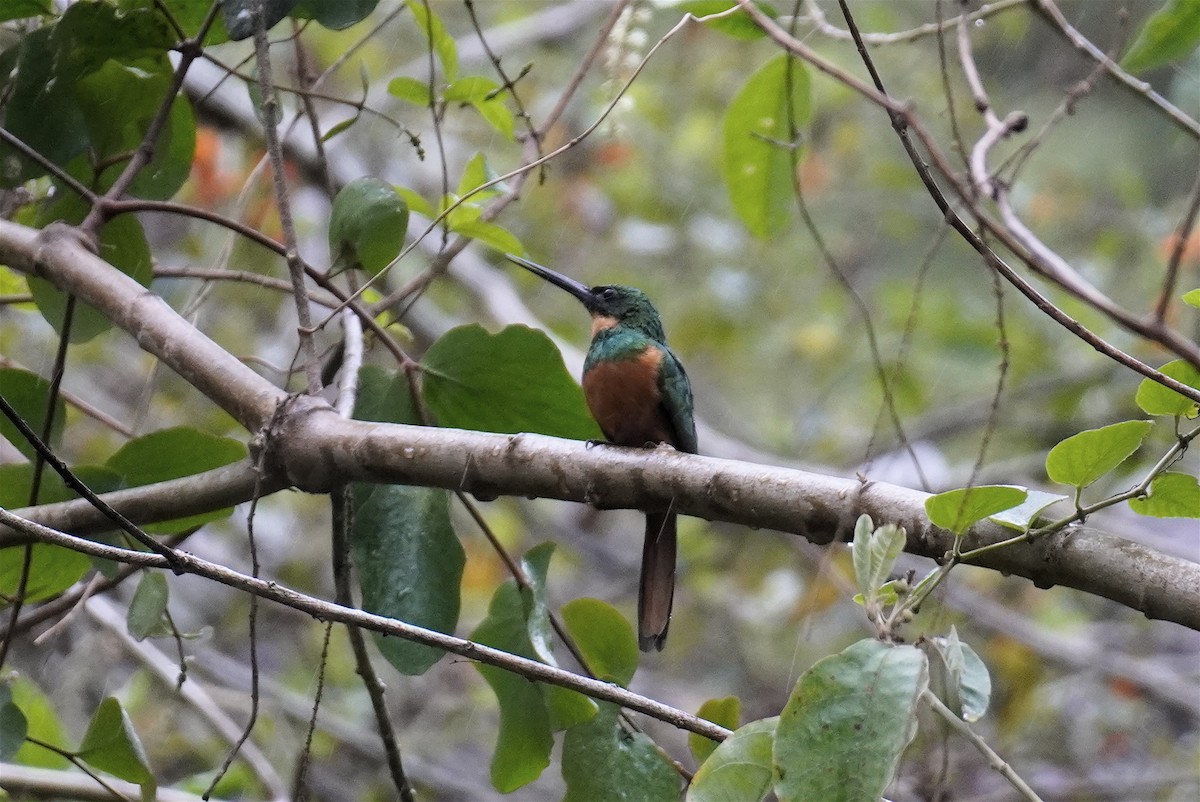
[{"x": 316, "y": 450}]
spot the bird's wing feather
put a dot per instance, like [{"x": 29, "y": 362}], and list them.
[{"x": 676, "y": 393}]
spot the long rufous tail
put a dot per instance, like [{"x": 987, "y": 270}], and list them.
[{"x": 657, "y": 585}]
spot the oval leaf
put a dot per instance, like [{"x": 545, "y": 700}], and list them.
[
  {"x": 1154, "y": 399},
  {"x": 1083, "y": 458},
  {"x": 111, "y": 745},
  {"x": 13, "y": 725},
  {"x": 148, "y": 606},
  {"x": 849, "y": 717},
  {"x": 1021, "y": 517},
  {"x": 757, "y": 163},
  {"x": 740, "y": 768},
  {"x": 956, "y": 510},
  {"x": 367, "y": 225},
  {"x": 510, "y": 382},
  {"x": 604, "y": 637},
  {"x": 410, "y": 565},
  {"x": 1170, "y": 33}
]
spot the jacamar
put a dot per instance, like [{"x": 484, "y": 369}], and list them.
[{"x": 638, "y": 392}]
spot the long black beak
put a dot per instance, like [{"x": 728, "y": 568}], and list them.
[{"x": 576, "y": 288}]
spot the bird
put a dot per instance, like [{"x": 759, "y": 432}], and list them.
[{"x": 639, "y": 394}]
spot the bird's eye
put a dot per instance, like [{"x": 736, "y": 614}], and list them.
[{"x": 608, "y": 293}]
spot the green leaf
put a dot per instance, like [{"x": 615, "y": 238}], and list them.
[
  {"x": 29, "y": 395},
  {"x": 1172, "y": 495},
  {"x": 604, "y": 637},
  {"x": 409, "y": 560},
  {"x": 758, "y": 158},
  {"x": 848, "y": 720},
  {"x": 336, "y": 15},
  {"x": 1154, "y": 399},
  {"x": 600, "y": 761},
  {"x": 416, "y": 202},
  {"x": 171, "y": 454},
  {"x": 367, "y": 225},
  {"x": 567, "y": 708},
  {"x": 740, "y": 769},
  {"x": 514, "y": 381},
  {"x": 477, "y": 173},
  {"x": 111, "y": 745},
  {"x": 19, "y": 9},
  {"x": 726, "y": 712},
  {"x": 957, "y": 510},
  {"x": 138, "y": 90},
  {"x": 409, "y": 89},
  {"x": 431, "y": 27},
  {"x": 122, "y": 244},
  {"x": 43, "y": 724},
  {"x": 1192, "y": 298},
  {"x": 738, "y": 25},
  {"x": 1021, "y": 517},
  {"x": 875, "y": 552},
  {"x": 13, "y": 725},
  {"x": 469, "y": 89},
  {"x": 1083, "y": 458},
  {"x": 410, "y": 565},
  {"x": 958, "y": 676},
  {"x": 1169, "y": 34},
  {"x": 52, "y": 570},
  {"x": 17, "y": 479},
  {"x": 147, "y": 609},
  {"x": 525, "y": 739},
  {"x": 466, "y": 220}
]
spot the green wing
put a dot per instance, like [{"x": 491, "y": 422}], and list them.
[{"x": 676, "y": 392}]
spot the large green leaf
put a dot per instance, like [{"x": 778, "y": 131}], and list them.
[
  {"x": 409, "y": 559},
  {"x": 112, "y": 745},
  {"x": 410, "y": 565},
  {"x": 171, "y": 454},
  {"x": 29, "y": 395},
  {"x": 758, "y": 149},
  {"x": 957, "y": 509},
  {"x": 47, "y": 108},
  {"x": 1083, "y": 458},
  {"x": 849, "y": 717},
  {"x": 526, "y": 737},
  {"x": 1154, "y": 399},
  {"x": 1169, "y": 34},
  {"x": 740, "y": 769},
  {"x": 367, "y": 225},
  {"x": 601, "y": 761},
  {"x": 514, "y": 381}
]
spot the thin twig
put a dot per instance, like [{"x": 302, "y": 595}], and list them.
[{"x": 283, "y": 205}]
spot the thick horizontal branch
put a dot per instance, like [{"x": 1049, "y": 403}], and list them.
[{"x": 310, "y": 447}]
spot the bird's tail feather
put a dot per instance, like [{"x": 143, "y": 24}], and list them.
[{"x": 657, "y": 587}]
